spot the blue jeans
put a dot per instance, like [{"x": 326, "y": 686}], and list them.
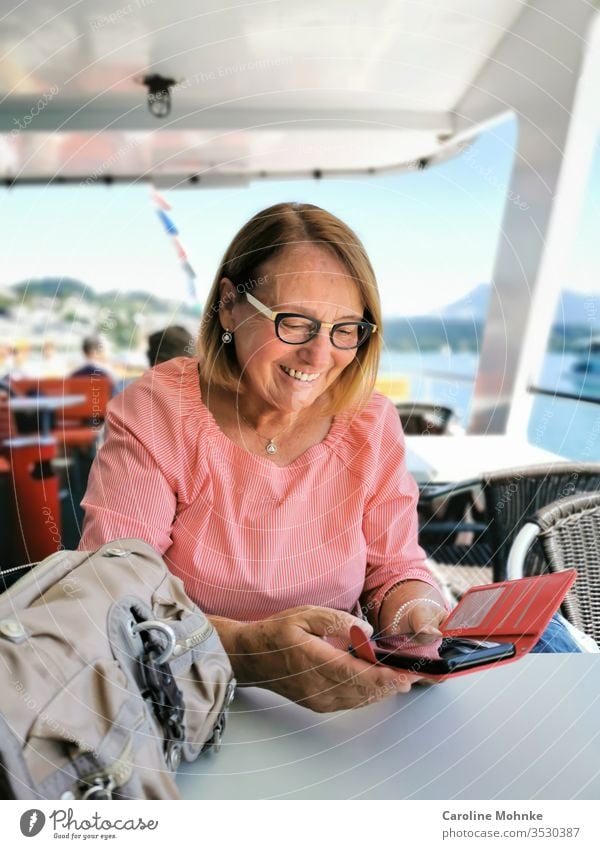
[{"x": 556, "y": 638}]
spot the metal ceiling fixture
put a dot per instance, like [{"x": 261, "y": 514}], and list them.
[{"x": 159, "y": 93}]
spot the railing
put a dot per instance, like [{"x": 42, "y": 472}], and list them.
[{"x": 569, "y": 396}]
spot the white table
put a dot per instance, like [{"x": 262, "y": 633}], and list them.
[
  {"x": 446, "y": 459},
  {"x": 526, "y": 730},
  {"x": 43, "y": 405},
  {"x": 28, "y": 403}
]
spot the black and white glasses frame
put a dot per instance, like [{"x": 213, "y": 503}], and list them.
[{"x": 345, "y": 335}]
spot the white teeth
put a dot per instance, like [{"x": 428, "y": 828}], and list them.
[{"x": 301, "y": 375}]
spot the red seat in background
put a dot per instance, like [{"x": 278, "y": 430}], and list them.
[
  {"x": 31, "y": 491},
  {"x": 77, "y": 426}
]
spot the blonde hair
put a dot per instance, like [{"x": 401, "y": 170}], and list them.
[{"x": 266, "y": 234}]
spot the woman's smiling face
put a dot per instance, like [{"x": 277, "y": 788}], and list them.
[{"x": 309, "y": 280}]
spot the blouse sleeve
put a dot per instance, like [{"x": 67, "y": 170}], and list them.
[
  {"x": 390, "y": 522},
  {"x": 129, "y": 494}
]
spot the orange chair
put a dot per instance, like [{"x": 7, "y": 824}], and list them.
[
  {"x": 7, "y": 424},
  {"x": 5, "y": 509},
  {"x": 79, "y": 426},
  {"x": 76, "y": 426},
  {"x": 75, "y": 431},
  {"x": 36, "y": 518},
  {"x": 6, "y": 428},
  {"x": 33, "y": 494}
]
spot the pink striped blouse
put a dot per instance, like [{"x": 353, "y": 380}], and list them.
[{"x": 248, "y": 538}]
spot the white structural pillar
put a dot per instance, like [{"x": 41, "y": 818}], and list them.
[{"x": 534, "y": 73}]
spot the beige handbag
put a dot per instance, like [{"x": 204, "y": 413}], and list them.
[{"x": 109, "y": 676}]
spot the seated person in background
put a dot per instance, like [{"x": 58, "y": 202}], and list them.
[
  {"x": 20, "y": 365},
  {"x": 269, "y": 473},
  {"x": 172, "y": 341},
  {"x": 95, "y": 359},
  {"x": 5, "y": 361},
  {"x": 51, "y": 363}
]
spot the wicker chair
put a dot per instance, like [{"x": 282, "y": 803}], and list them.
[
  {"x": 506, "y": 499},
  {"x": 568, "y": 533}
]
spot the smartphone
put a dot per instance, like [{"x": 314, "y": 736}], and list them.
[{"x": 455, "y": 654}]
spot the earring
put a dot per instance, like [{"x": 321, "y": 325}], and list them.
[{"x": 227, "y": 337}]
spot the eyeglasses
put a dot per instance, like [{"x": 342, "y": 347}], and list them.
[{"x": 296, "y": 329}]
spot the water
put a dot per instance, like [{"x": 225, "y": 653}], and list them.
[{"x": 570, "y": 428}]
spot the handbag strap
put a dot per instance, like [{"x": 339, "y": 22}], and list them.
[{"x": 161, "y": 689}]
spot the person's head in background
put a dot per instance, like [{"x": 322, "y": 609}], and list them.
[
  {"x": 48, "y": 349},
  {"x": 172, "y": 341},
  {"x": 93, "y": 349},
  {"x": 5, "y": 354},
  {"x": 20, "y": 353}
]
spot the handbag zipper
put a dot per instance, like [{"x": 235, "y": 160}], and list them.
[
  {"x": 104, "y": 781},
  {"x": 194, "y": 639},
  {"x": 28, "y": 577}
]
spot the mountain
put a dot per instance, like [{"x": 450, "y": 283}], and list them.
[
  {"x": 51, "y": 287},
  {"x": 62, "y": 305},
  {"x": 432, "y": 333},
  {"x": 61, "y": 289},
  {"x": 472, "y": 307},
  {"x": 459, "y": 325},
  {"x": 573, "y": 308}
]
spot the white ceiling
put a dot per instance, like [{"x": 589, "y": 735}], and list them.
[{"x": 277, "y": 86}]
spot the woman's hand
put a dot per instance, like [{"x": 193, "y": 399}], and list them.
[
  {"x": 413, "y": 609},
  {"x": 421, "y": 620},
  {"x": 286, "y": 653}
]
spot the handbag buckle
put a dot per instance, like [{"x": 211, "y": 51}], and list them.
[{"x": 165, "y": 630}]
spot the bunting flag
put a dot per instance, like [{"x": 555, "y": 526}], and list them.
[{"x": 162, "y": 208}]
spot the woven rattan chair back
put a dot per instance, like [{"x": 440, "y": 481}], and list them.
[
  {"x": 570, "y": 537},
  {"x": 513, "y": 495}
]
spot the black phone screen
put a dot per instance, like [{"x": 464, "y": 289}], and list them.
[{"x": 455, "y": 654}]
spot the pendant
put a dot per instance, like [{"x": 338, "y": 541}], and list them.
[{"x": 270, "y": 447}]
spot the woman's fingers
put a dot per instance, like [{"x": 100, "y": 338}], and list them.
[
  {"x": 349, "y": 682},
  {"x": 325, "y": 622},
  {"x": 293, "y": 658},
  {"x": 340, "y": 666},
  {"x": 423, "y": 622}
]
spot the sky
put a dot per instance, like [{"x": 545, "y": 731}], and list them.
[{"x": 431, "y": 235}]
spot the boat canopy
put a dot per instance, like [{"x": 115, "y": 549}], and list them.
[{"x": 268, "y": 88}]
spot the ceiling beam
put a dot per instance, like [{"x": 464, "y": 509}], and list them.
[{"x": 131, "y": 114}]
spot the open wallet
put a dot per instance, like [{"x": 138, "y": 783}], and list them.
[{"x": 492, "y": 625}]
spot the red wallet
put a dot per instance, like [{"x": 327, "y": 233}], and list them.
[{"x": 514, "y": 612}]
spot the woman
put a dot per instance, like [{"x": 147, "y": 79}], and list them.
[{"x": 268, "y": 473}]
